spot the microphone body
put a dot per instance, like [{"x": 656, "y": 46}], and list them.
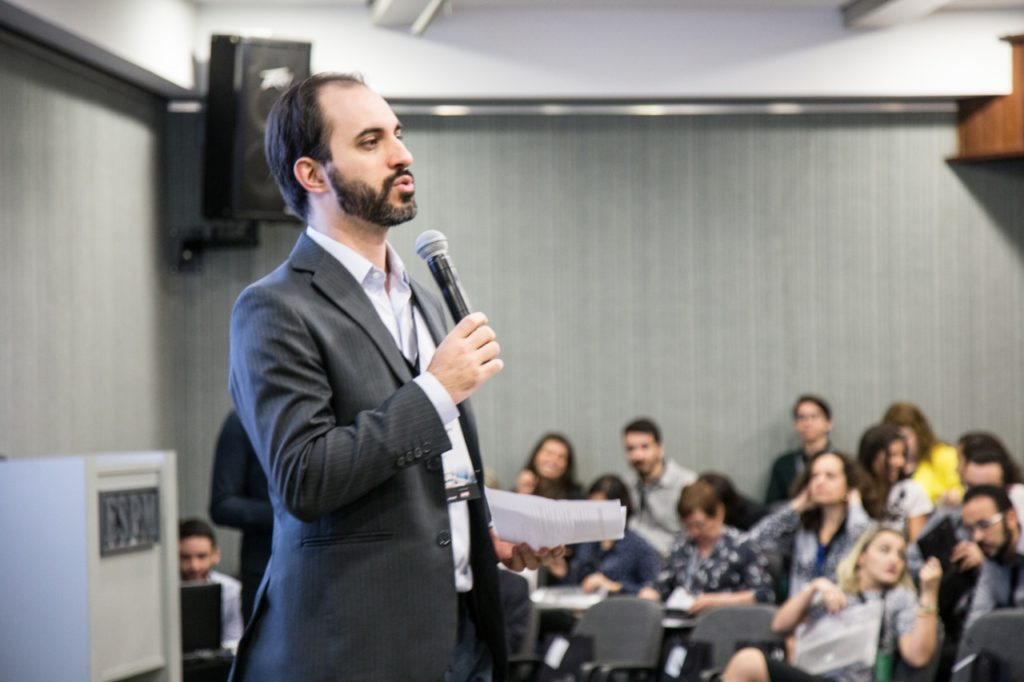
[{"x": 432, "y": 247}]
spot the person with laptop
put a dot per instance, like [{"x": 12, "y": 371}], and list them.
[{"x": 197, "y": 556}]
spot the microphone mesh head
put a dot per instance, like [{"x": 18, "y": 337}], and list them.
[{"x": 431, "y": 243}]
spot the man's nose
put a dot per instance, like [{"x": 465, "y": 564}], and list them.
[{"x": 401, "y": 157}]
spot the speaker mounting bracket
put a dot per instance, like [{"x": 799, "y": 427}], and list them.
[{"x": 189, "y": 244}]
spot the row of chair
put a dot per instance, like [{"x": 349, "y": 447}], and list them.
[{"x": 627, "y": 637}]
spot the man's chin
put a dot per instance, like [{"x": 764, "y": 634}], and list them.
[{"x": 402, "y": 215}]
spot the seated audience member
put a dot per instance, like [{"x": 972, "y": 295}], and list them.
[
  {"x": 930, "y": 462},
  {"x": 659, "y": 482},
  {"x": 958, "y": 583},
  {"x": 239, "y": 499},
  {"x": 740, "y": 512},
  {"x": 515, "y": 604},
  {"x": 197, "y": 555},
  {"x": 993, "y": 464},
  {"x": 874, "y": 570},
  {"x": 550, "y": 470},
  {"x": 812, "y": 422},
  {"x": 713, "y": 562},
  {"x": 992, "y": 522},
  {"x": 819, "y": 526},
  {"x": 615, "y": 566},
  {"x": 894, "y": 500}
]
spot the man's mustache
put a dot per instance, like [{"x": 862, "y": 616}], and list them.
[{"x": 388, "y": 183}]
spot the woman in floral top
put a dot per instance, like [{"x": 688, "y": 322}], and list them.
[
  {"x": 711, "y": 561},
  {"x": 819, "y": 526},
  {"x": 874, "y": 571}
]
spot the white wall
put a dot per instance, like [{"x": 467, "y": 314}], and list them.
[
  {"x": 154, "y": 34},
  {"x": 643, "y": 53},
  {"x": 602, "y": 52}
]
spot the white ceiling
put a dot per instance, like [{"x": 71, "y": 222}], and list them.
[{"x": 631, "y": 4}]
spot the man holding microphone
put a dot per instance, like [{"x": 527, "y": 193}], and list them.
[{"x": 383, "y": 564}]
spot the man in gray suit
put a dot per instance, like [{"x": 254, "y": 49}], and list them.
[{"x": 383, "y": 566}]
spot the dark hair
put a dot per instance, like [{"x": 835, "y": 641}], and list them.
[
  {"x": 727, "y": 493},
  {"x": 643, "y": 425},
  {"x": 876, "y": 440},
  {"x": 296, "y": 128},
  {"x": 817, "y": 400},
  {"x": 192, "y": 528},
  {"x": 811, "y": 518},
  {"x": 565, "y": 485},
  {"x": 698, "y": 496},
  {"x": 613, "y": 488},
  {"x": 910, "y": 415},
  {"x": 993, "y": 492},
  {"x": 981, "y": 447}
]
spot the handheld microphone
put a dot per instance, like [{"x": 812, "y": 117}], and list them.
[{"x": 432, "y": 247}]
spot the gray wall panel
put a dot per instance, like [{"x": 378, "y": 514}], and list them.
[
  {"x": 703, "y": 271},
  {"x": 84, "y": 360}
]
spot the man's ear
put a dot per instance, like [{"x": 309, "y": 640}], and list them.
[
  {"x": 215, "y": 556},
  {"x": 311, "y": 174},
  {"x": 1011, "y": 515}
]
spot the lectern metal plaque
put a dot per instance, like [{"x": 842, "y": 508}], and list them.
[{"x": 129, "y": 520}]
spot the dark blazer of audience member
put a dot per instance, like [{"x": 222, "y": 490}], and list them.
[
  {"x": 615, "y": 566},
  {"x": 239, "y": 499},
  {"x": 550, "y": 470},
  {"x": 993, "y": 524},
  {"x": 816, "y": 529},
  {"x": 712, "y": 561},
  {"x": 889, "y": 496},
  {"x": 812, "y": 422},
  {"x": 958, "y": 583},
  {"x": 741, "y": 512},
  {"x": 514, "y": 590}
]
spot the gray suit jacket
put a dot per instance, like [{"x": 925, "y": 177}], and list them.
[{"x": 360, "y": 581}]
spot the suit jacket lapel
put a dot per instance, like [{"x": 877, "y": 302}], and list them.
[{"x": 336, "y": 283}]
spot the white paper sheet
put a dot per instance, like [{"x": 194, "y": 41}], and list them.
[{"x": 540, "y": 522}]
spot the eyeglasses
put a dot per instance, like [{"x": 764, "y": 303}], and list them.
[{"x": 982, "y": 525}]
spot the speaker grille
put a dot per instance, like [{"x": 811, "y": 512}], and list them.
[{"x": 247, "y": 75}]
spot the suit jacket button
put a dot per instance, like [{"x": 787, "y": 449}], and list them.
[
  {"x": 417, "y": 453},
  {"x": 444, "y": 538},
  {"x": 400, "y": 461},
  {"x": 433, "y": 464}
]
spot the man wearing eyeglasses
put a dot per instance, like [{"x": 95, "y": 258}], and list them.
[{"x": 991, "y": 521}]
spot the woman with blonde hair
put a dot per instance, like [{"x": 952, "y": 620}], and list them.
[{"x": 875, "y": 570}]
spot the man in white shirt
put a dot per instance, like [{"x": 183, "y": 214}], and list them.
[
  {"x": 383, "y": 565},
  {"x": 659, "y": 483},
  {"x": 197, "y": 556}
]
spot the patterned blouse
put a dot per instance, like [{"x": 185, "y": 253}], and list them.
[
  {"x": 780, "y": 533},
  {"x": 734, "y": 565}
]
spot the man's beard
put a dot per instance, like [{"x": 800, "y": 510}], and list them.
[{"x": 358, "y": 199}]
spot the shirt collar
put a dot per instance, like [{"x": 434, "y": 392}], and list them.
[{"x": 358, "y": 266}]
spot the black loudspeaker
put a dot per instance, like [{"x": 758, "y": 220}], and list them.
[{"x": 246, "y": 77}]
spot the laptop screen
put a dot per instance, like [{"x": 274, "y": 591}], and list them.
[{"x": 200, "y": 616}]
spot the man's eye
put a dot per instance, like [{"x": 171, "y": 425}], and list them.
[{"x": 369, "y": 143}]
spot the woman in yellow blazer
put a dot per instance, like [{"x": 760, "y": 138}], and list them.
[{"x": 930, "y": 462}]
